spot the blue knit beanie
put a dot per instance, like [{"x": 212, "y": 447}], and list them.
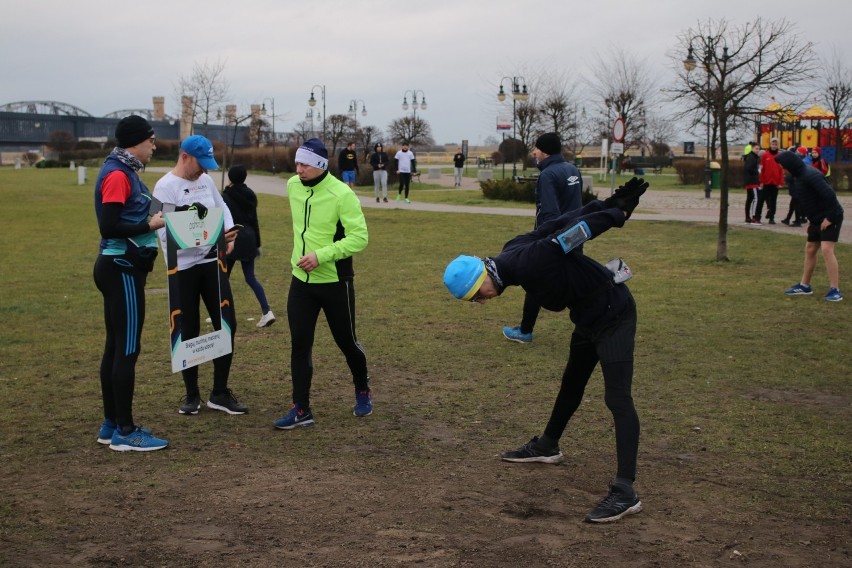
[{"x": 463, "y": 276}]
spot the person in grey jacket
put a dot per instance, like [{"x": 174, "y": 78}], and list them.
[
  {"x": 559, "y": 189},
  {"x": 824, "y": 212}
]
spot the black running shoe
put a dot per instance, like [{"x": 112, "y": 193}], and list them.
[
  {"x": 190, "y": 404},
  {"x": 620, "y": 502},
  {"x": 226, "y": 402},
  {"x": 532, "y": 452}
]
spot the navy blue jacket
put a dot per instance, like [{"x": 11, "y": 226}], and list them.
[
  {"x": 815, "y": 197},
  {"x": 558, "y": 190},
  {"x": 558, "y": 280}
]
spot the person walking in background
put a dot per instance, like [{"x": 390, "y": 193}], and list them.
[
  {"x": 458, "y": 167},
  {"x": 379, "y": 163},
  {"x": 126, "y": 255},
  {"x": 751, "y": 182},
  {"x": 825, "y": 215},
  {"x": 794, "y": 212},
  {"x": 549, "y": 264},
  {"x": 328, "y": 229},
  {"x": 242, "y": 203},
  {"x": 201, "y": 278},
  {"x": 559, "y": 189},
  {"x": 771, "y": 178},
  {"x": 347, "y": 161},
  {"x": 404, "y": 166},
  {"x": 818, "y": 161}
]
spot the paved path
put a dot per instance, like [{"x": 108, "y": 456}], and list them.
[{"x": 668, "y": 205}]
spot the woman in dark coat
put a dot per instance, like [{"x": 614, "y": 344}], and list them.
[{"x": 242, "y": 202}]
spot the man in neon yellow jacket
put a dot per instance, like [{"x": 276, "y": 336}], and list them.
[{"x": 328, "y": 228}]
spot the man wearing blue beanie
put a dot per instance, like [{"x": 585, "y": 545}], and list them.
[{"x": 549, "y": 264}]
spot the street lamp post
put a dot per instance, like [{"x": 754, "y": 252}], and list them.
[
  {"x": 689, "y": 64},
  {"x": 312, "y": 103},
  {"x": 353, "y": 109},
  {"x": 518, "y": 94},
  {"x": 414, "y": 102},
  {"x": 263, "y": 112}
]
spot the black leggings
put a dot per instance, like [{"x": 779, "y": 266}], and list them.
[
  {"x": 530, "y": 313},
  {"x": 123, "y": 289},
  {"x": 337, "y": 301},
  {"x": 404, "y": 182},
  {"x": 613, "y": 348},
  {"x": 208, "y": 282}
]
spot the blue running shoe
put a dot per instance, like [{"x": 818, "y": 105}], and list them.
[
  {"x": 297, "y": 416},
  {"x": 833, "y": 295},
  {"x": 105, "y": 433},
  {"x": 363, "y": 403},
  {"x": 139, "y": 440},
  {"x": 799, "y": 290},
  {"x": 514, "y": 334}
]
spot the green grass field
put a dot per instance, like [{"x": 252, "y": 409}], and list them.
[{"x": 727, "y": 367}]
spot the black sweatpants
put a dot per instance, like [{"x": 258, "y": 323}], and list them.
[
  {"x": 337, "y": 301},
  {"x": 207, "y": 282},
  {"x": 404, "y": 182},
  {"x": 530, "y": 313},
  {"x": 123, "y": 288},
  {"x": 612, "y": 346}
]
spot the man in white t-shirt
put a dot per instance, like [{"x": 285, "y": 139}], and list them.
[
  {"x": 200, "y": 276},
  {"x": 404, "y": 166}
]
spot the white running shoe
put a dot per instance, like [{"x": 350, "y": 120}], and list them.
[{"x": 267, "y": 319}]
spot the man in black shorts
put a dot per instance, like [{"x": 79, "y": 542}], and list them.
[{"x": 819, "y": 204}]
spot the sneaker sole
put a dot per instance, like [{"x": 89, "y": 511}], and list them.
[
  {"x": 215, "y": 406},
  {"x": 539, "y": 459},
  {"x": 105, "y": 441},
  {"x": 192, "y": 412},
  {"x": 637, "y": 508},
  {"x": 267, "y": 324},
  {"x": 123, "y": 448},
  {"x": 296, "y": 425},
  {"x": 799, "y": 293},
  {"x": 833, "y": 299},
  {"x": 354, "y": 413}
]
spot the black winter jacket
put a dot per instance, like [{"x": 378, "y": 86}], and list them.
[{"x": 815, "y": 197}]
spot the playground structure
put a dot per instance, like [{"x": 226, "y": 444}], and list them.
[{"x": 804, "y": 129}]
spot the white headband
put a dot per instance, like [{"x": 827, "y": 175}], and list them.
[{"x": 308, "y": 157}]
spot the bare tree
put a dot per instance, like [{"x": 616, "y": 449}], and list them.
[
  {"x": 339, "y": 126},
  {"x": 737, "y": 69},
  {"x": 368, "y": 134},
  {"x": 208, "y": 88},
  {"x": 303, "y": 130},
  {"x": 624, "y": 87},
  {"x": 836, "y": 91},
  {"x": 414, "y": 130},
  {"x": 659, "y": 132}
]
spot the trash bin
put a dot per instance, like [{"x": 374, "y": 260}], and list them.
[
  {"x": 578, "y": 160},
  {"x": 715, "y": 175}
]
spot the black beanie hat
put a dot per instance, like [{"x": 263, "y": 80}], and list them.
[
  {"x": 549, "y": 144},
  {"x": 237, "y": 174},
  {"x": 131, "y": 130}
]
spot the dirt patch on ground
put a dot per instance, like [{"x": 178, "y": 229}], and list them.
[{"x": 367, "y": 492}]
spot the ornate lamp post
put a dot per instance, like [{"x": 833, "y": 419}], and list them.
[
  {"x": 689, "y": 64},
  {"x": 353, "y": 110},
  {"x": 263, "y": 112},
  {"x": 518, "y": 94},
  {"x": 414, "y": 103},
  {"x": 312, "y": 103}
]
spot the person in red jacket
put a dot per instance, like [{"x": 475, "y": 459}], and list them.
[
  {"x": 818, "y": 161},
  {"x": 771, "y": 178}
]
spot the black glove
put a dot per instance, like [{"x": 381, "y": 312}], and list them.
[
  {"x": 199, "y": 208},
  {"x": 626, "y": 197}
]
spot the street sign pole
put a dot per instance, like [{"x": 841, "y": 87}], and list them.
[{"x": 617, "y": 148}]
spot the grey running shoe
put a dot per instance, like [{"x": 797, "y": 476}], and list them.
[{"x": 620, "y": 502}]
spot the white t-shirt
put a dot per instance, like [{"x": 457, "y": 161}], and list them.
[
  {"x": 173, "y": 189},
  {"x": 404, "y": 160}
]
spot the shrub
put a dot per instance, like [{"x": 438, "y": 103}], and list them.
[{"x": 524, "y": 192}]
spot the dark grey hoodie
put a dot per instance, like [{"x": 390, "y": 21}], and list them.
[{"x": 816, "y": 198}]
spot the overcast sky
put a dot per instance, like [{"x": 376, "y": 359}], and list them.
[{"x": 107, "y": 56}]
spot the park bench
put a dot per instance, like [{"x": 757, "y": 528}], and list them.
[
  {"x": 642, "y": 163},
  {"x": 524, "y": 179}
]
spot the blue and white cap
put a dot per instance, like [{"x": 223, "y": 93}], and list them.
[
  {"x": 201, "y": 149},
  {"x": 313, "y": 153},
  {"x": 464, "y": 275}
]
